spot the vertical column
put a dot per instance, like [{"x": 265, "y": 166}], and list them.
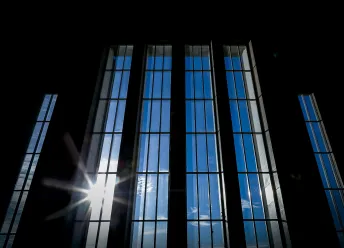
[
  {"x": 205, "y": 218},
  {"x": 94, "y": 209},
  {"x": 27, "y": 171},
  {"x": 150, "y": 217},
  {"x": 262, "y": 205},
  {"x": 330, "y": 176}
]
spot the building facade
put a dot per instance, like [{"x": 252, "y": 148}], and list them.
[{"x": 180, "y": 144}]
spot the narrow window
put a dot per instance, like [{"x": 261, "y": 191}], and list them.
[
  {"x": 102, "y": 161},
  {"x": 261, "y": 199},
  {"x": 27, "y": 171},
  {"x": 149, "y": 223},
  {"x": 328, "y": 170},
  {"x": 205, "y": 222}
]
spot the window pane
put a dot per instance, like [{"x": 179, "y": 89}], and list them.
[
  {"x": 124, "y": 86},
  {"x": 108, "y": 196},
  {"x": 148, "y": 234},
  {"x": 103, "y": 234},
  {"x": 161, "y": 234},
  {"x": 245, "y": 197},
  {"x": 148, "y": 85},
  {"x": 192, "y": 197},
  {"x": 165, "y": 116},
  {"x": 201, "y": 153},
  {"x": 215, "y": 196},
  {"x": 193, "y": 234},
  {"x": 209, "y": 110},
  {"x": 218, "y": 240},
  {"x": 212, "y": 153},
  {"x": 155, "y": 117},
  {"x": 235, "y": 116},
  {"x": 262, "y": 235},
  {"x": 198, "y": 81},
  {"x": 116, "y": 84},
  {"x": 231, "y": 85},
  {"x": 153, "y": 153},
  {"x": 140, "y": 197},
  {"x": 166, "y": 90},
  {"x": 239, "y": 84},
  {"x": 190, "y": 153},
  {"x": 104, "y": 158},
  {"x": 151, "y": 193},
  {"x": 200, "y": 118},
  {"x": 116, "y": 142},
  {"x": 143, "y": 153},
  {"x": 111, "y": 116},
  {"x": 207, "y": 85},
  {"x": 120, "y": 116},
  {"x": 164, "y": 153},
  {"x": 145, "y": 116},
  {"x": 137, "y": 235},
  {"x": 162, "y": 197},
  {"x": 205, "y": 234},
  {"x": 258, "y": 209},
  {"x": 203, "y": 195},
  {"x": 239, "y": 153},
  {"x": 250, "y": 154},
  {"x": 190, "y": 116},
  {"x": 250, "y": 234},
  {"x": 44, "y": 108},
  {"x": 157, "y": 84},
  {"x": 235, "y": 58},
  {"x": 92, "y": 234},
  {"x": 189, "y": 85}
]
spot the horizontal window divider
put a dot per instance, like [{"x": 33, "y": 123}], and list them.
[
  {"x": 137, "y": 172},
  {"x": 333, "y": 189},
  {"x": 243, "y": 99},
  {"x": 149, "y": 220},
  {"x": 323, "y": 152},
  {"x": 199, "y": 99},
  {"x": 206, "y": 219},
  {"x": 152, "y": 99},
  {"x": 247, "y": 133},
  {"x": 279, "y": 220},
  {"x": 200, "y": 70},
  {"x": 117, "y": 70},
  {"x": 317, "y": 121},
  {"x": 154, "y": 132},
  {"x": 158, "y": 70},
  {"x": 259, "y": 172},
  {"x": 202, "y": 132},
  {"x": 204, "y": 172},
  {"x": 239, "y": 70},
  {"x": 113, "y": 99}
]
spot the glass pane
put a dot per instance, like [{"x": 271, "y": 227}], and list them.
[
  {"x": 51, "y": 108},
  {"x": 245, "y": 197},
  {"x": 10, "y": 212},
  {"x": 150, "y": 57},
  {"x": 250, "y": 234},
  {"x": 150, "y": 208},
  {"x": 228, "y": 59},
  {"x": 198, "y": 81},
  {"x": 95, "y": 195},
  {"x": 244, "y": 116},
  {"x": 144, "y": 143},
  {"x": 303, "y": 107},
  {"x": 212, "y": 153},
  {"x": 161, "y": 234},
  {"x": 92, "y": 234},
  {"x": 10, "y": 241},
  {"x": 319, "y": 137},
  {"x": 190, "y": 116},
  {"x": 231, "y": 85},
  {"x": 111, "y": 116},
  {"x": 192, "y": 197},
  {"x": 244, "y": 57},
  {"x": 255, "y": 116},
  {"x": 140, "y": 196},
  {"x": 312, "y": 136},
  {"x": 32, "y": 172},
  {"x": 200, "y": 118},
  {"x": 197, "y": 57},
  {"x": 235, "y": 116},
  {"x": 92, "y": 159},
  {"x": 201, "y": 153},
  {"x": 116, "y": 84},
  {"x": 207, "y": 85},
  {"x": 189, "y": 85},
  {"x": 218, "y": 240},
  {"x": 167, "y": 62},
  {"x": 157, "y": 86},
  {"x": 155, "y": 116},
  {"x": 34, "y": 137},
  {"x": 190, "y": 153},
  {"x": 338, "y": 197},
  {"x": 203, "y": 196},
  {"x": 165, "y": 116},
  {"x": 104, "y": 158},
  {"x": 108, "y": 196},
  {"x": 215, "y": 196},
  {"x": 205, "y": 234},
  {"x": 124, "y": 86},
  {"x": 148, "y": 84},
  {"x": 162, "y": 197},
  {"x": 235, "y": 58},
  {"x": 44, "y": 108},
  {"x": 262, "y": 235},
  {"x": 137, "y": 235},
  {"x": 239, "y": 153},
  {"x": 192, "y": 234},
  {"x": 111, "y": 58},
  {"x": 205, "y": 58},
  {"x": 100, "y": 116},
  {"x": 153, "y": 158},
  {"x": 116, "y": 143},
  {"x": 166, "y": 90},
  {"x": 120, "y": 116},
  {"x": 249, "y": 85},
  {"x": 239, "y": 84},
  {"x": 145, "y": 118},
  {"x": 310, "y": 108},
  {"x": 164, "y": 153},
  {"x": 148, "y": 234},
  {"x": 250, "y": 154},
  {"x": 256, "y": 197},
  {"x": 209, "y": 110},
  {"x": 103, "y": 234},
  {"x": 333, "y": 209},
  {"x": 261, "y": 153},
  {"x": 329, "y": 171}
]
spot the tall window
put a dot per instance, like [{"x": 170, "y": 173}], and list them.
[
  {"x": 328, "y": 170},
  {"x": 152, "y": 172},
  {"x": 261, "y": 199},
  {"x": 27, "y": 171},
  {"x": 105, "y": 144},
  {"x": 205, "y": 222}
]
